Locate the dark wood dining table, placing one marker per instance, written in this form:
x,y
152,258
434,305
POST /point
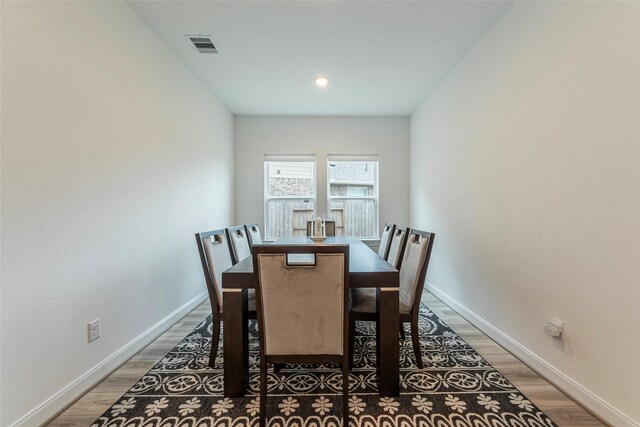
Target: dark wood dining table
x,y
366,270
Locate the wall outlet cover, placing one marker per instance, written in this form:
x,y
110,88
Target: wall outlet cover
x,y
94,330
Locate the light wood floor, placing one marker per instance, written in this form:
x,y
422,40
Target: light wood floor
x,y
561,409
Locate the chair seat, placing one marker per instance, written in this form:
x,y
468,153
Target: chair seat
x,y
363,300
251,301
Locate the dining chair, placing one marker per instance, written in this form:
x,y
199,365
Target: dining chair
x,y
413,271
238,243
303,314
385,240
329,228
397,246
253,232
215,258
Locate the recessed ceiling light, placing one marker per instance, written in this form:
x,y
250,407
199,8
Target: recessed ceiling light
x,y
322,81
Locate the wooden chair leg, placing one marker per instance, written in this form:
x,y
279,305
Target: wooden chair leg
x,y
402,331
345,396
378,345
416,342
263,395
352,341
215,338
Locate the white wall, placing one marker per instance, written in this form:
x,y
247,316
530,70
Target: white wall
x,y
386,136
525,162
113,155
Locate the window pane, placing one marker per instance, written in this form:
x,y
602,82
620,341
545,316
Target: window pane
x,y
290,197
350,181
288,217
345,176
354,217
291,179
357,191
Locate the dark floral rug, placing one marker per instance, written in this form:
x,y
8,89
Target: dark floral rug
x,y
457,388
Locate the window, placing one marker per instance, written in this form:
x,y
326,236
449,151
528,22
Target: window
x,y
290,195
357,191
353,195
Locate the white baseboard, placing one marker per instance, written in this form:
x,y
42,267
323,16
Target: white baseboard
x,y
585,397
63,398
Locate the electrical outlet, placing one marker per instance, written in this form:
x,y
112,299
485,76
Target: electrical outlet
x,y
94,330
554,327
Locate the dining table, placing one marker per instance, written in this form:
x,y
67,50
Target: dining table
x,y
366,270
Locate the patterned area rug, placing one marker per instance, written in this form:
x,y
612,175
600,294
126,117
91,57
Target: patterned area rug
x,y
457,388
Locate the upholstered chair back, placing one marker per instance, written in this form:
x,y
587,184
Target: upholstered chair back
x,y
302,306
385,239
330,228
254,234
414,266
216,259
396,248
239,243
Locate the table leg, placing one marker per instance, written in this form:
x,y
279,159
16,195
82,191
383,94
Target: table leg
x,y
389,343
236,342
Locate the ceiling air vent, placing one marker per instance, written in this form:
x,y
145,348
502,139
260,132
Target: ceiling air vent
x,y
203,44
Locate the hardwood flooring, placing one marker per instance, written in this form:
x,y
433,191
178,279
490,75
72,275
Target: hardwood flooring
x,y
561,409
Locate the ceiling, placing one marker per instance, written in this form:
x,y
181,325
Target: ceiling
x,y
382,58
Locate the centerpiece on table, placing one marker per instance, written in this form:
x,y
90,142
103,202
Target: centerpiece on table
x,y
318,232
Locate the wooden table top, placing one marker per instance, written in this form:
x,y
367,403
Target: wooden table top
x,y
366,268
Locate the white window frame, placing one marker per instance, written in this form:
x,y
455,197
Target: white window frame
x,y
376,187
310,158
